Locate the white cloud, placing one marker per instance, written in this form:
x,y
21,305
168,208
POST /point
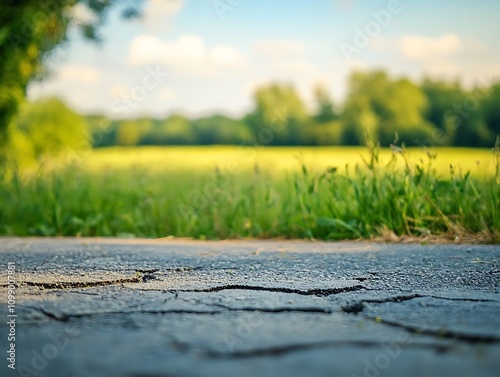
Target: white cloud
x,y
419,47
145,49
290,61
158,14
226,56
188,55
278,47
447,56
380,44
285,60
294,68
167,94
119,90
443,68
85,74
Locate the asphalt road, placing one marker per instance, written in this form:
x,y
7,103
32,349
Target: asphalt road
x,y
144,308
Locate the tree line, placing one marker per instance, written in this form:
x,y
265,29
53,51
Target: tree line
x,y
432,113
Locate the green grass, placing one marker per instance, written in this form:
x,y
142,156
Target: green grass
x,y
231,192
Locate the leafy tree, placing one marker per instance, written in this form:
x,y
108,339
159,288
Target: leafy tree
x,y
280,116
330,133
219,129
49,129
144,127
362,110
492,110
460,115
469,126
102,130
404,108
442,97
325,111
29,32
381,108
175,130
127,134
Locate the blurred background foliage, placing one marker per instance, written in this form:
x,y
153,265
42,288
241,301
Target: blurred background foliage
x,y
432,113
30,30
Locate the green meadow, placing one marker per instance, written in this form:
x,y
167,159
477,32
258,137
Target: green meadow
x,y
233,192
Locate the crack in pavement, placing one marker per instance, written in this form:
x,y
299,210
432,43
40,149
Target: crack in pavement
x,y
353,308
309,292
80,284
441,333
276,310
358,307
460,299
282,309
65,317
287,349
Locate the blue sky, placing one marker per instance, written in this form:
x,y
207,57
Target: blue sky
x,y
212,61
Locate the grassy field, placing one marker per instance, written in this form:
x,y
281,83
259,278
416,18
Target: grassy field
x,y
480,162
232,192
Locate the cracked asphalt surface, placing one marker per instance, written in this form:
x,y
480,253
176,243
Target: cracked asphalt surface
x,y
150,308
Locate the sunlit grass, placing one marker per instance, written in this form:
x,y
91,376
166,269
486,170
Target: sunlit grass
x,y
231,192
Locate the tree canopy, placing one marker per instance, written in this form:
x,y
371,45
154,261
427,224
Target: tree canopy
x,y
29,32
48,129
